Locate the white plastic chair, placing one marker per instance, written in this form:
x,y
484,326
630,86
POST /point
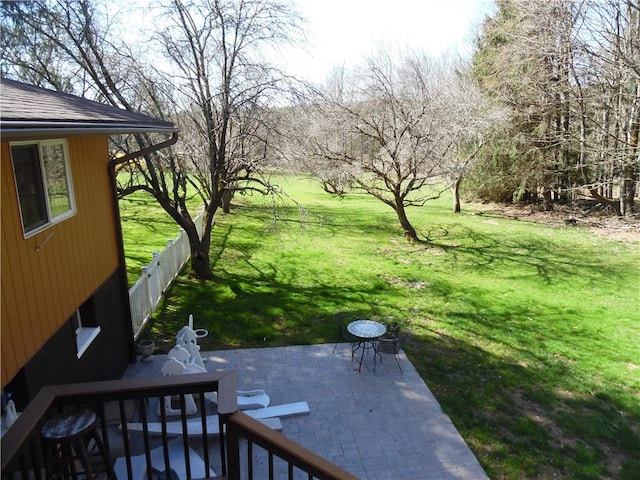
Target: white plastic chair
x,y
172,367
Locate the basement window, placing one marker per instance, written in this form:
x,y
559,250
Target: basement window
x,y
85,327
43,181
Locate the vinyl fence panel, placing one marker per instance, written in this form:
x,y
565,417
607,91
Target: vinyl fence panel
x,y
146,293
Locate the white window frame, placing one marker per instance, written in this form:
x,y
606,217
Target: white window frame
x,y
84,335
51,220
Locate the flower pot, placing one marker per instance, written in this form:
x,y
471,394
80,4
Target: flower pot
x,y
146,349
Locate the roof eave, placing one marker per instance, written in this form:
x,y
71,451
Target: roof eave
x,y
24,129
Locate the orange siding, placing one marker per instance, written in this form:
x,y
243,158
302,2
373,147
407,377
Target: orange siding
x,y
41,289
9,362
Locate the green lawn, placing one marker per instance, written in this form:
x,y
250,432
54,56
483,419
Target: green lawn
x,y
146,228
528,335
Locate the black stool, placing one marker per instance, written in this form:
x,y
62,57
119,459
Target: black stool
x,y
67,438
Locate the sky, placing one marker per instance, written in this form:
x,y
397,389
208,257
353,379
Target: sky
x,y
347,31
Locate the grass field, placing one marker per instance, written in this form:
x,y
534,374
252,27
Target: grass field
x,y
146,228
528,335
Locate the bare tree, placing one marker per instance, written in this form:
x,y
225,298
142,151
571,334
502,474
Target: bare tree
x,y
225,92
217,88
606,74
382,129
470,119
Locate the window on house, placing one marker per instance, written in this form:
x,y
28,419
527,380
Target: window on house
x,y
85,326
43,181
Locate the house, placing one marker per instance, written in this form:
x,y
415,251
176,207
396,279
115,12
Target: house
x,y
66,321
65,314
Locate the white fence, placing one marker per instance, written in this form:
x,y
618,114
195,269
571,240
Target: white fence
x,y
156,277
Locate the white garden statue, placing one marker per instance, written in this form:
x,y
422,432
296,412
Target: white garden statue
x,y
182,359
185,358
188,340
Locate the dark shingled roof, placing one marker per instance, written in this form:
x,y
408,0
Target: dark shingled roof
x,y
27,109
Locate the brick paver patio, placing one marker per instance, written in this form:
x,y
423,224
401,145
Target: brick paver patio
x,y
376,425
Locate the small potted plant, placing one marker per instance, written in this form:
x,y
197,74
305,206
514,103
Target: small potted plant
x,y
389,342
146,349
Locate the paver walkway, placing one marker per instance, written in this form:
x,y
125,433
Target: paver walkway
x,y
376,425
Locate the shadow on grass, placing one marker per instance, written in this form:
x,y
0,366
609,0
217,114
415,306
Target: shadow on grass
x,y
332,220
518,422
547,389
524,408
160,225
511,375
259,310
469,248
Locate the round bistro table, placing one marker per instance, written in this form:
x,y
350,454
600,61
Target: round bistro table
x,y
366,334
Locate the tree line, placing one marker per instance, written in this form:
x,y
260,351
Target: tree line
x,y
547,109
568,73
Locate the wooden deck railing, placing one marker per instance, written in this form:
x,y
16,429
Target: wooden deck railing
x,y
23,454
279,456
243,440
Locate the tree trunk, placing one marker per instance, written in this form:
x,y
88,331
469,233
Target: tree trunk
x,y
628,184
614,204
200,264
547,200
456,195
627,191
225,200
409,232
